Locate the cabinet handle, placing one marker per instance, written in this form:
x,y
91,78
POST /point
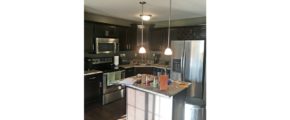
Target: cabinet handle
x,y
100,84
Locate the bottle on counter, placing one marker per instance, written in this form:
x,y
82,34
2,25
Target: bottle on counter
x,y
154,84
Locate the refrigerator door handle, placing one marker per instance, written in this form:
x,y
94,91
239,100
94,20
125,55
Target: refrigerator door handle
x,y
184,61
181,67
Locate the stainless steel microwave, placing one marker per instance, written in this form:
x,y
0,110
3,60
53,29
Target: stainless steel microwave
x,y
106,45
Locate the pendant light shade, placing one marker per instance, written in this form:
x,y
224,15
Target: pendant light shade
x,y
142,49
168,51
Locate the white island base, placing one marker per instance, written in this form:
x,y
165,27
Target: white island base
x,y
144,104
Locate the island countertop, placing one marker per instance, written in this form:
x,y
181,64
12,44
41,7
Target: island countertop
x,y
173,89
151,65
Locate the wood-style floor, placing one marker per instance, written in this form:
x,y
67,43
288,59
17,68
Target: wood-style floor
x,y
112,111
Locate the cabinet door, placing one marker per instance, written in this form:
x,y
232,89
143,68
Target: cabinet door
x,y
123,39
111,31
189,33
105,31
203,32
165,110
132,38
159,39
99,30
130,104
89,37
93,88
129,72
143,70
156,40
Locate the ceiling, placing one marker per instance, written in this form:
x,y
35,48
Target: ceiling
x,y
159,9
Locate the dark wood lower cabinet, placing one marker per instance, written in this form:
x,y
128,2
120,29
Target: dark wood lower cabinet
x,y
129,72
143,70
93,88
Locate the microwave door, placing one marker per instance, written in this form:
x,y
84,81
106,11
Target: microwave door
x,y
106,45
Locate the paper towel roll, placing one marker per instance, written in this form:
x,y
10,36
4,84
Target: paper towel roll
x,y
116,60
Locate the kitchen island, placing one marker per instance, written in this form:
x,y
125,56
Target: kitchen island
x,y
145,102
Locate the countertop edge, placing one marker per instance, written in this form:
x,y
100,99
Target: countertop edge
x,y
130,66
92,73
149,91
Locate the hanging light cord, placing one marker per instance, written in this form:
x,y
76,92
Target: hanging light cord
x,y
142,28
169,23
143,2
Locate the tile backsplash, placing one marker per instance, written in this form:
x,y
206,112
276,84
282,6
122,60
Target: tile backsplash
x,y
151,57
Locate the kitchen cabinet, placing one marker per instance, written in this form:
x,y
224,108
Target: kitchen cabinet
x,y
156,70
160,35
105,30
202,33
93,88
129,72
127,38
161,70
131,43
158,39
123,39
143,70
189,33
127,35
89,37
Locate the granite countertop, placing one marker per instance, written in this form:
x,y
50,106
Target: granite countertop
x,y
151,65
173,89
91,72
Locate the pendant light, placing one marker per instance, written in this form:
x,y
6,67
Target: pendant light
x,y
142,49
168,50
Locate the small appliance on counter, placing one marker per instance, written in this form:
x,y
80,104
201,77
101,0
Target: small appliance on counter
x,y
116,62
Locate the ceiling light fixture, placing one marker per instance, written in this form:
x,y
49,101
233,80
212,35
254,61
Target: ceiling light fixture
x,y
145,17
142,50
168,50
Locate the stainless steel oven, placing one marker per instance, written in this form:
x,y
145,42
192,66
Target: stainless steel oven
x,y
106,45
111,89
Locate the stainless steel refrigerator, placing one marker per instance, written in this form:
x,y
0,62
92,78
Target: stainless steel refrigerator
x,y
188,64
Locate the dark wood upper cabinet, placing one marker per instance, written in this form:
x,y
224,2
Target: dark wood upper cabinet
x,y
128,36
123,39
158,39
188,33
89,37
132,37
105,31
